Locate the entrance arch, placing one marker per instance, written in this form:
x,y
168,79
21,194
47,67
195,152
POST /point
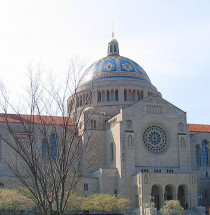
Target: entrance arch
x,y
169,192
157,193
182,195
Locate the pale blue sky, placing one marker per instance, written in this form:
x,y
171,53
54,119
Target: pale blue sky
x,y
169,39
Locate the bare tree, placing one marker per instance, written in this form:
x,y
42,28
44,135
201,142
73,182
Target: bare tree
x,y
47,150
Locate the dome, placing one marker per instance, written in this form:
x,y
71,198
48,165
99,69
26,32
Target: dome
x,y
115,67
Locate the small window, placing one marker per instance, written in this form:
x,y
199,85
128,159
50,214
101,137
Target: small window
x,y
111,48
85,186
115,49
107,96
142,94
116,95
138,95
94,124
198,155
205,153
130,140
99,96
125,95
53,146
91,124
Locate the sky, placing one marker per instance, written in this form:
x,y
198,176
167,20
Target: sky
x,y
169,39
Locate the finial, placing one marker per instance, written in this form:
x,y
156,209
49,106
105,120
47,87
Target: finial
x,y
112,29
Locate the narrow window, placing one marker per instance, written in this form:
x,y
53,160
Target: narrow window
x,y
129,95
125,95
91,124
85,186
197,152
142,94
107,96
53,146
94,124
111,48
115,50
99,96
130,140
116,95
138,95
134,95
205,153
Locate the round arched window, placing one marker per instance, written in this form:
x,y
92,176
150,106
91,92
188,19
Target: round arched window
x,y
155,138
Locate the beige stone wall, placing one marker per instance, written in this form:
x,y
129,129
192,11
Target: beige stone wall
x,y
145,182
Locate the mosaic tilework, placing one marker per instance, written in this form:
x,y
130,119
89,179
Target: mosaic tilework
x,y
117,67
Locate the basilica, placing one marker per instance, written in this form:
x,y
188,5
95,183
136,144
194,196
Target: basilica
x,y
148,150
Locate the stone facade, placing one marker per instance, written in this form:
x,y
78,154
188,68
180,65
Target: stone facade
x,y
148,152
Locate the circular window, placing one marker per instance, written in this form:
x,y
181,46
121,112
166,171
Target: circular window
x,y
155,138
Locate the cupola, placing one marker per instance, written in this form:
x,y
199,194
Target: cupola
x,y
113,48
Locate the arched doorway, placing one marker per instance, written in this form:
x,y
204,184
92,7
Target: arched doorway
x,y
182,195
156,194
1,185
169,192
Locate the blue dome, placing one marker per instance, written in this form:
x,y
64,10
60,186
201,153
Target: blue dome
x,y
115,67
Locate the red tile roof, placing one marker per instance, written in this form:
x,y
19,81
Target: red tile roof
x,y
36,119
199,128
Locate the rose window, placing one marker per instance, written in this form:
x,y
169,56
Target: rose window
x,y
155,138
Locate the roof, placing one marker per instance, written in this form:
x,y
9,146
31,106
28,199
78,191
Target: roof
x,y
199,128
115,67
36,119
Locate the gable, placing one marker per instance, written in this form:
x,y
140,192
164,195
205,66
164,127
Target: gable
x,y
156,106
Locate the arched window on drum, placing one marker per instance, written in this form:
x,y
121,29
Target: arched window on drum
x,y
116,95
107,96
125,95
